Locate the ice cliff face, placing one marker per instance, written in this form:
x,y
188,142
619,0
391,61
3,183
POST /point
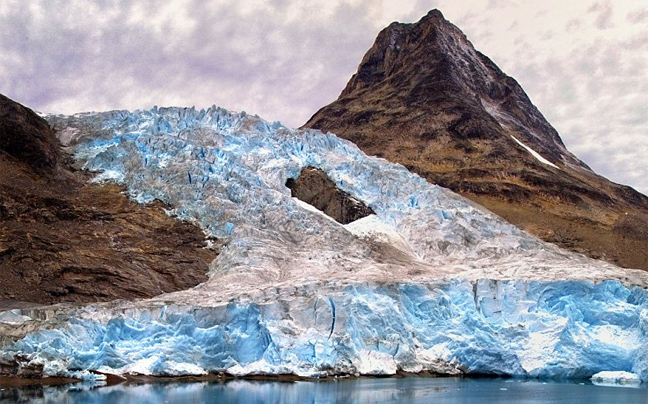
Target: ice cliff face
x,y
430,282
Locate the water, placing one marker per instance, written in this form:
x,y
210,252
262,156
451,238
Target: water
x,y
360,391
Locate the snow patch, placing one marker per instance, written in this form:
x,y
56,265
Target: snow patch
x,y
313,209
535,154
372,228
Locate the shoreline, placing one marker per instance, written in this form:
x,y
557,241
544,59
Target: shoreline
x,y
221,377
16,382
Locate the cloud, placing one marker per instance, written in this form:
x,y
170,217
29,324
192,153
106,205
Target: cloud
x,y
638,16
603,11
586,71
282,60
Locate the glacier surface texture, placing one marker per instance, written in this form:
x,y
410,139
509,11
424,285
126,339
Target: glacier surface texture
x,y
431,282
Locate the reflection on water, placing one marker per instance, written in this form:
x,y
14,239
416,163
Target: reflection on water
x,y
359,391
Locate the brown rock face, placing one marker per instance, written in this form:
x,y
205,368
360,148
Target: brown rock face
x,y
314,187
425,98
27,137
63,240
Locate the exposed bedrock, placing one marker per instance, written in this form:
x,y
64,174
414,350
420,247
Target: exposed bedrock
x,y
314,187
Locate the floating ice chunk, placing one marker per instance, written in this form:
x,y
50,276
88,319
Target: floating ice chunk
x,y
616,378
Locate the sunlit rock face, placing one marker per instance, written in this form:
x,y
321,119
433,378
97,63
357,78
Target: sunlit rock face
x,y
429,282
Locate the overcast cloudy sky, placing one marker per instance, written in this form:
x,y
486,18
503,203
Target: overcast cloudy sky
x,y
584,63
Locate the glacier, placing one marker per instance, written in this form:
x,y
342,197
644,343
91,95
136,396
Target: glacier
x,y
431,282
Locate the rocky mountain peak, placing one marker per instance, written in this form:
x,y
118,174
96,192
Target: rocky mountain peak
x,y
424,97
433,58
381,59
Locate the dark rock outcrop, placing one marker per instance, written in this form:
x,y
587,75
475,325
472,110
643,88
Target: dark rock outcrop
x,y
64,240
425,98
314,187
26,137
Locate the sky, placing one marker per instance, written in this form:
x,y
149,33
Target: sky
x,y
584,63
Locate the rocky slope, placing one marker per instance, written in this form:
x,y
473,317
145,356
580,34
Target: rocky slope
x,y
425,98
64,240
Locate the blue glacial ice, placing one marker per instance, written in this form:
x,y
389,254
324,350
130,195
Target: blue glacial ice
x,y
430,283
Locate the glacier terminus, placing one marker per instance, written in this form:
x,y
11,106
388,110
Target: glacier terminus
x,y
430,282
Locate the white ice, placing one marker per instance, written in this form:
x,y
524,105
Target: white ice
x,y
430,282
619,378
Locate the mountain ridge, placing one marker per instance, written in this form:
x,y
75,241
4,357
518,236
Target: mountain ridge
x,y
425,98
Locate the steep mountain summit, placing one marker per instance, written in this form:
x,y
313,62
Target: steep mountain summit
x,y
425,98
434,62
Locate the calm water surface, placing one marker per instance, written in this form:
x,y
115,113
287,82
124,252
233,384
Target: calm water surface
x,y
365,391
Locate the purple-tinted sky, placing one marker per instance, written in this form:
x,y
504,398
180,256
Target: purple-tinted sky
x,y
583,63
